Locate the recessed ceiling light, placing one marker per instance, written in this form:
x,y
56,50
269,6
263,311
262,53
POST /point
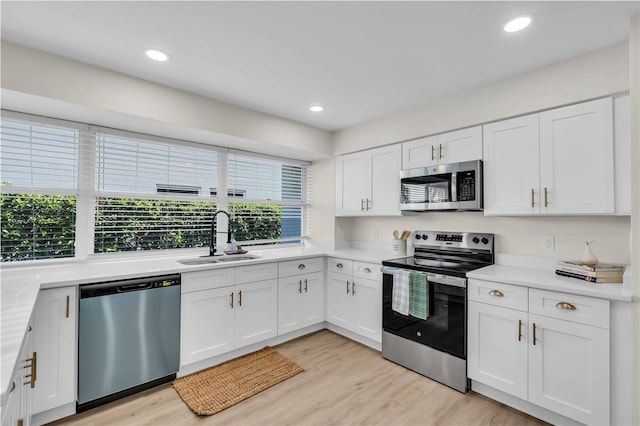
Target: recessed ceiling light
x,y
316,108
156,55
517,24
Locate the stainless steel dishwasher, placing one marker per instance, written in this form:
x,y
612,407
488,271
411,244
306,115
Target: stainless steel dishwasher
x,y
128,337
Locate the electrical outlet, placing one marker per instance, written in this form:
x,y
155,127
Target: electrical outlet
x,y
341,232
548,243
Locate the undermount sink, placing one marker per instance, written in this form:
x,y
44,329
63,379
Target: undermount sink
x,y
217,259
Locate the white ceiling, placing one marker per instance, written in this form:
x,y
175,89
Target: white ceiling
x,y
362,60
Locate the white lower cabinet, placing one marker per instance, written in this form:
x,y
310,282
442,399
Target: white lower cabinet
x,y
553,353
220,312
54,341
354,300
301,294
18,406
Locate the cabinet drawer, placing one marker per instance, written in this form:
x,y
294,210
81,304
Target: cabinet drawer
x,y
300,266
570,307
498,294
259,272
370,271
341,266
207,280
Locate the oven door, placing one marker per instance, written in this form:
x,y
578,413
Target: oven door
x,y
445,327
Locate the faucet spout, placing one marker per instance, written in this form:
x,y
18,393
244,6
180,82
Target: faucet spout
x,y
212,244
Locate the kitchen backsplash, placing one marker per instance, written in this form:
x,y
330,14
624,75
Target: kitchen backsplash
x,y
514,235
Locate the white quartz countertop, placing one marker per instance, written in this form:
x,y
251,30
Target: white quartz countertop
x,y
19,286
546,279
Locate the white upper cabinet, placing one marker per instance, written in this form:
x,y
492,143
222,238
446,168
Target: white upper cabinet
x,y
451,147
622,154
576,158
368,182
511,166
555,162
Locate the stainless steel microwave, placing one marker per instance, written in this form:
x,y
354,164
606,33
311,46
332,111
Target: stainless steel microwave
x,y
456,186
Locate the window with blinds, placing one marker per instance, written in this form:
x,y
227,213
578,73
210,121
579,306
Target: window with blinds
x,y
266,199
71,189
152,194
39,174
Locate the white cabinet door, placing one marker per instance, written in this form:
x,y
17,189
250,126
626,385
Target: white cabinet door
x,y
569,369
353,184
511,166
368,182
54,340
367,308
497,348
289,304
207,324
385,181
313,299
256,312
460,145
622,154
18,405
576,159
420,153
339,299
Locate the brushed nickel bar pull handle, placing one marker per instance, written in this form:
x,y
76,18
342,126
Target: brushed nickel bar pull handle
x,y
546,197
433,153
240,298
306,289
353,288
339,265
565,305
534,334
300,286
533,198
67,313
496,293
13,387
519,330
348,287
441,149
367,270
361,204
368,206
231,300
301,266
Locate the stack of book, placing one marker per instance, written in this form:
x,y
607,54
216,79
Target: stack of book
x,y
598,273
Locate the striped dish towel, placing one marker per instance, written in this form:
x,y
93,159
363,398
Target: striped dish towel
x,y
418,295
400,294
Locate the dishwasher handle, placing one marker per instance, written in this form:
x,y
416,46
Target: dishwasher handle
x,y
130,285
134,287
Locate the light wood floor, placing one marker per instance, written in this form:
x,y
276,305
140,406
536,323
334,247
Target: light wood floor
x,y
344,383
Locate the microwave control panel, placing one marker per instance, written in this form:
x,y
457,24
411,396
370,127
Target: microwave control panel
x,y
466,185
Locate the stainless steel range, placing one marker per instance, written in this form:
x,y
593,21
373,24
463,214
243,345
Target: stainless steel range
x,y
424,304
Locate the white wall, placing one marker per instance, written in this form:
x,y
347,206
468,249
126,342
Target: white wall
x,y
589,76
40,83
634,89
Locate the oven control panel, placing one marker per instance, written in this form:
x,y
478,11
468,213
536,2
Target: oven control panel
x,y
453,239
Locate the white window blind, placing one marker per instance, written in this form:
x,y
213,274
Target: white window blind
x,y
152,194
38,157
267,199
39,174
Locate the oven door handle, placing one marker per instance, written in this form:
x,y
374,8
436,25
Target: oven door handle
x,y
432,278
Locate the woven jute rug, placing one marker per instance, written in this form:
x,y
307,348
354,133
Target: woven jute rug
x,y
214,389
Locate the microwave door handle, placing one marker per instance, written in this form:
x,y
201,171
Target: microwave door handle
x,y
454,187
